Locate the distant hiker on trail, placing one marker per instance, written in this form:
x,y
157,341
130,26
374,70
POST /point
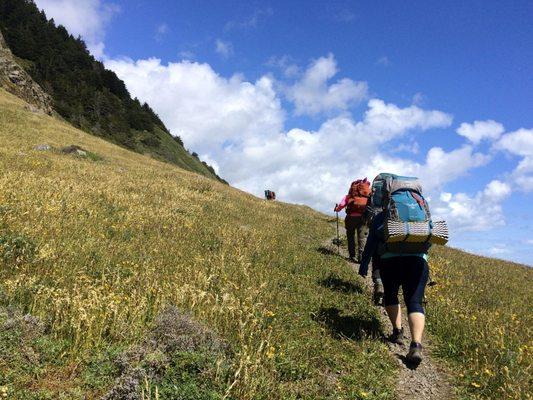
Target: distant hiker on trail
x,y
355,202
270,195
399,239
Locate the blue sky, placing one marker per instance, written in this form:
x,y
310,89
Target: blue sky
x,y
301,97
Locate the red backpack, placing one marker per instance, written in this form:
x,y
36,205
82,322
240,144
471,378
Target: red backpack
x,y
360,197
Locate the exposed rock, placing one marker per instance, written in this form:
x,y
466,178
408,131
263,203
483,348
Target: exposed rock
x,y
43,147
16,80
73,149
32,108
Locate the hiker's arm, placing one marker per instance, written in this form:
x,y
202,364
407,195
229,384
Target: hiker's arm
x,y
368,252
341,205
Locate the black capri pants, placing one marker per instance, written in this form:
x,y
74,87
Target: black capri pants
x,y
409,272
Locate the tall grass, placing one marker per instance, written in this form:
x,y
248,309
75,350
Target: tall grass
x,y
97,248
480,312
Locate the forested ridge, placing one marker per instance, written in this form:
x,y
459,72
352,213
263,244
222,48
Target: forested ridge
x,y
84,92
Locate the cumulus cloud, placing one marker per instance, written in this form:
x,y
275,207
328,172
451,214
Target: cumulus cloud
x,y
240,126
523,174
520,143
442,167
312,94
85,18
208,111
480,212
225,49
481,130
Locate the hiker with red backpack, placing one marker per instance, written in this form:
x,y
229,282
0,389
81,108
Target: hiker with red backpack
x,y
355,203
399,239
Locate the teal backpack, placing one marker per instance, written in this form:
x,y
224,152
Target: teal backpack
x,y
407,225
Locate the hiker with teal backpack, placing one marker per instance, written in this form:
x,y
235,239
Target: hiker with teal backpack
x,y
355,203
400,237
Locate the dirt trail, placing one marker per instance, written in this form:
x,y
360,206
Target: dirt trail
x,y
427,381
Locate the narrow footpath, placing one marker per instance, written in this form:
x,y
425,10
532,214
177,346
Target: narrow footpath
x,y
427,381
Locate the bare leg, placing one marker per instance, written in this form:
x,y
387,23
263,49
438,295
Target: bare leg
x,y
417,321
395,315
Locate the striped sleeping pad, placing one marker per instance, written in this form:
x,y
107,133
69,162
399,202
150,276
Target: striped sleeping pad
x,y
416,232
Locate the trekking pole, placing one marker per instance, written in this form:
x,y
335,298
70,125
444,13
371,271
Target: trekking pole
x,y
338,240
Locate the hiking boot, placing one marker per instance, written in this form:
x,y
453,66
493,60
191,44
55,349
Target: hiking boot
x,y
352,260
396,336
415,353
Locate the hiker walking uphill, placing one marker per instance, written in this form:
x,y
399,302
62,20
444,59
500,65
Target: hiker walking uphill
x,y
399,239
355,203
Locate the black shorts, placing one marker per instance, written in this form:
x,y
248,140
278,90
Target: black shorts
x,y
409,272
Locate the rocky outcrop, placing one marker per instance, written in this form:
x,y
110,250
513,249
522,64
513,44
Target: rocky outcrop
x,y
15,80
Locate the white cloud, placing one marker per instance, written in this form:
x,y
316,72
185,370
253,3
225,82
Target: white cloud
x,y
480,212
385,121
499,250
442,167
412,147
520,143
205,109
481,130
523,174
85,18
225,49
240,126
312,94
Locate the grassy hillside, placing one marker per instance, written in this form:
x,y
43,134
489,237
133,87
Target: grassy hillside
x,y
83,91
481,314
97,249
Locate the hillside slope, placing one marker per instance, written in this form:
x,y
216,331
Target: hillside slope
x,y
480,313
95,250
81,89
